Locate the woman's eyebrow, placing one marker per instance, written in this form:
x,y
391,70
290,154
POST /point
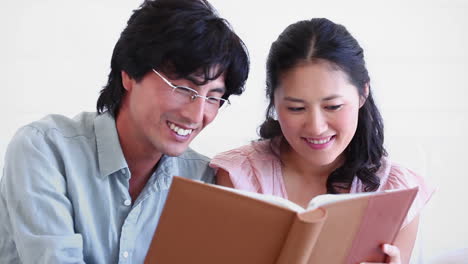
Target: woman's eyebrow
x,y
293,99
331,97
298,100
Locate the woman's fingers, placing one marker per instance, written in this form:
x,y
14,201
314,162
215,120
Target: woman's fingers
x,y
393,253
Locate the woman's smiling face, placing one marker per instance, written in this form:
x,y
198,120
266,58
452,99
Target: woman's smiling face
x,y
317,109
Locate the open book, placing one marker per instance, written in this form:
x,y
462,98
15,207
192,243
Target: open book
x,y
204,223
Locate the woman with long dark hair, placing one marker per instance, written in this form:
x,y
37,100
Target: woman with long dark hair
x,y
323,132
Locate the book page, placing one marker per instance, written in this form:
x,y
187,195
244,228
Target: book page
x,y
325,199
276,200
317,201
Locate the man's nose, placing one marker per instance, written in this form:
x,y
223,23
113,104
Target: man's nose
x,y
194,110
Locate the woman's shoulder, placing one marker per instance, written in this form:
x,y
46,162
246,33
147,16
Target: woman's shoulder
x,y
396,176
251,167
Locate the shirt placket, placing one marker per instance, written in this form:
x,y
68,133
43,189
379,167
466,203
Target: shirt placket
x,y
127,234
160,180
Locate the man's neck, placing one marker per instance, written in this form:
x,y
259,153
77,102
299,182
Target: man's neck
x,y
141,172
141,159
141,167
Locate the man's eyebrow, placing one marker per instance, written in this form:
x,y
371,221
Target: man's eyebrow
x,y
194,86
193,79
218,90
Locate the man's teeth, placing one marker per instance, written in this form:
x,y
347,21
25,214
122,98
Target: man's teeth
x,y
322,141
180,131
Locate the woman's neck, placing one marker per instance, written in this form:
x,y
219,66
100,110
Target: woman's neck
x,y
302,179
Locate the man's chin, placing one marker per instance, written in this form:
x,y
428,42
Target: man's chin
x,y
175,152
174,148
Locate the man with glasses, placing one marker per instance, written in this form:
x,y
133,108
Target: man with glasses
x,y
91,189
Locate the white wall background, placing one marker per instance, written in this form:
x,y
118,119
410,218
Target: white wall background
x,y
55,58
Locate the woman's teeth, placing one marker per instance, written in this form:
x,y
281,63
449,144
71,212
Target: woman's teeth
x,y
317,142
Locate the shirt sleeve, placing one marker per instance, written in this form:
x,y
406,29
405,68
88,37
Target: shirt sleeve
x,y
403,178
36,216
241,172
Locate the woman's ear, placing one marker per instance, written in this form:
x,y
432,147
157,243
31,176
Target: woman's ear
x,y
363,98
127,81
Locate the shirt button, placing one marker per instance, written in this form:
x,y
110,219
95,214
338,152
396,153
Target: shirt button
x,y
127,202
125,254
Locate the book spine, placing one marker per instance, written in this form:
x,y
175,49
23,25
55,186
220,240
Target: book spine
x,y
302,236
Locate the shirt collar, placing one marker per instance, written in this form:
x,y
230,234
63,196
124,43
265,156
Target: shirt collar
x,y
110,155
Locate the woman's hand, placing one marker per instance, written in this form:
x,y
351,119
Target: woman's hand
x,y
392,252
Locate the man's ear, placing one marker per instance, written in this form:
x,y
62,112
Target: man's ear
x,y
363,98
127,81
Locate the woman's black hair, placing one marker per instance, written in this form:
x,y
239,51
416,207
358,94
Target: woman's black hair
x,y
178,38
321,39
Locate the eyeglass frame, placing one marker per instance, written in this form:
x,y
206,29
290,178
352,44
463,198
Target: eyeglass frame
x,y
195,93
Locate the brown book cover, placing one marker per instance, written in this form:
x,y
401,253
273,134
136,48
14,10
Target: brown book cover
x,y
203,223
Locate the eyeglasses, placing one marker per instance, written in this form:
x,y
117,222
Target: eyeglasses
x,y
184,95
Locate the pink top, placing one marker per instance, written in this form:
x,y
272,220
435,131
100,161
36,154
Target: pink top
x,y
256,168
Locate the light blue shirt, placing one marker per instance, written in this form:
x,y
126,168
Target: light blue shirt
x,y
64,195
